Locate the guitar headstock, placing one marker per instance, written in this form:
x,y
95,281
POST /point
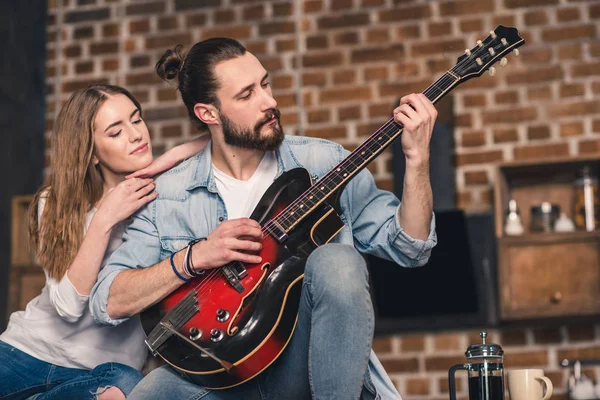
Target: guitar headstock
x,y
487,52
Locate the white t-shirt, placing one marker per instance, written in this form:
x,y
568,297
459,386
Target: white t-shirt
x,y
57,326
241,197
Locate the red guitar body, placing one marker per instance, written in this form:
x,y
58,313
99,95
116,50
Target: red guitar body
x,y
262,318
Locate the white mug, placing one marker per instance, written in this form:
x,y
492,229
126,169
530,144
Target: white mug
x,y
527,384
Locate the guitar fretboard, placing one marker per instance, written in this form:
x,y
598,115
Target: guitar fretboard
x,y
353,164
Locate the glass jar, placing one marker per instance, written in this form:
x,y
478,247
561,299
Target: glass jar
x,y
587,204
544,216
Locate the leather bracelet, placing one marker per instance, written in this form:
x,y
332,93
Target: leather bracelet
x,y
188,265
186,280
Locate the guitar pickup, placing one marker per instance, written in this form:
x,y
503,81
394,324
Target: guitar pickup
x,y
233,273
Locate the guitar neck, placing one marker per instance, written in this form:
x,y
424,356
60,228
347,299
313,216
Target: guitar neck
x,y
355,162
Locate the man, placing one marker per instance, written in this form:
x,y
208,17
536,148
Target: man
x,y
227,90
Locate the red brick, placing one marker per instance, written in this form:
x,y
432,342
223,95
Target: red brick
x,y
157,7
344,76
169,94
313,78
281,9
402,89
438,66
537,55
284,45
220,17
474,100
538,132
377,110
473,139
382,345
346,20
458,7
579,353
585,69
587,31
374,54
253,12
541,151
570,52
104,48
513,337
170,131
506,135
581,333
166,41
567,14
437,47
569,129
547,335
378,35
319,116
84,67
317,42
464,200
589,147
411,13
507,97
141,78
195,20
110,64
572,89
439,28
513,115
313,6
417,386
167,23
471,25
482,157
408,32
336,5
72,51
348,113
141,26
282,81
356,93
343,38
574,109
329,132
80,32
287,100
239,32
442,363
596,125
528,3
536,75
329,59
257,47
539,93
526,359
376,73
397,365
537,17
476,178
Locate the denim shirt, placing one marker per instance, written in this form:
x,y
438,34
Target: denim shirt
x,y
188,206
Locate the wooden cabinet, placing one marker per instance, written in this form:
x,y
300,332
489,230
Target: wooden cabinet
x,y
545,274
26,276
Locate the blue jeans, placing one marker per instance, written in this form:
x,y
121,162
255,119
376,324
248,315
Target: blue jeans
x,y
328,354
25,377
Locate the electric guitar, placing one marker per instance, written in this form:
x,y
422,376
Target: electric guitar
x,y
228,325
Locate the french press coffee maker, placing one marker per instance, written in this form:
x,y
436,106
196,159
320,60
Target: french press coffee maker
x,y
486,372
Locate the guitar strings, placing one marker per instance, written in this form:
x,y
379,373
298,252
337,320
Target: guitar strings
x,y
442,84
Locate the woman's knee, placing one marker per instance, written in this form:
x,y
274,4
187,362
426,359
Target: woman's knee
x,y
110,393
121,377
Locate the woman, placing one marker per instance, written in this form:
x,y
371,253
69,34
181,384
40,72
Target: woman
x,y
54,349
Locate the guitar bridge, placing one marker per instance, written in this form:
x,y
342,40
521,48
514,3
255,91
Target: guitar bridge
x,y
233,272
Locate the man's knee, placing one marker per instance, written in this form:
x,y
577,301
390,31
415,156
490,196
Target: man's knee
x,y
337,269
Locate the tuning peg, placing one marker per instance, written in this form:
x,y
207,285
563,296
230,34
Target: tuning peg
x,y
478,61
503,61
503,41
479,43
493,34
468,52
492,71
492,51
516,52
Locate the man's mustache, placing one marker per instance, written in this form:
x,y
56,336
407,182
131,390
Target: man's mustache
x,y
274,112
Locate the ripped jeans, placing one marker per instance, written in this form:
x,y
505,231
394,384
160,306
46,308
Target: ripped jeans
x,y
25,377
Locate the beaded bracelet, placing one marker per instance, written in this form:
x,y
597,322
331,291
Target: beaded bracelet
x,y
186,280
188,266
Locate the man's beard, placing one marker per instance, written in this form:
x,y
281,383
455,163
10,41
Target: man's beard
x,y
247,138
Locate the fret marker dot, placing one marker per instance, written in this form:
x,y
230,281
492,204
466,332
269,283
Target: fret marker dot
x,y
322,187
345,174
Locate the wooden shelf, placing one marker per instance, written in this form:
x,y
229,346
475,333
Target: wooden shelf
x,y
548,238
545,275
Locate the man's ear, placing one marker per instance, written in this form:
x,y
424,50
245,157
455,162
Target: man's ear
x,y
206,113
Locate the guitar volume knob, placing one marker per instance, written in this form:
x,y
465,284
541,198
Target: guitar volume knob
x,y
216,335
195,333
222,315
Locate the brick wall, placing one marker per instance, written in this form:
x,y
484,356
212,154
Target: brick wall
x,y
338,67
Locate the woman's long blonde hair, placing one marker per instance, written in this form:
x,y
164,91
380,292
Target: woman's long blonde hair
x,y
75,184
